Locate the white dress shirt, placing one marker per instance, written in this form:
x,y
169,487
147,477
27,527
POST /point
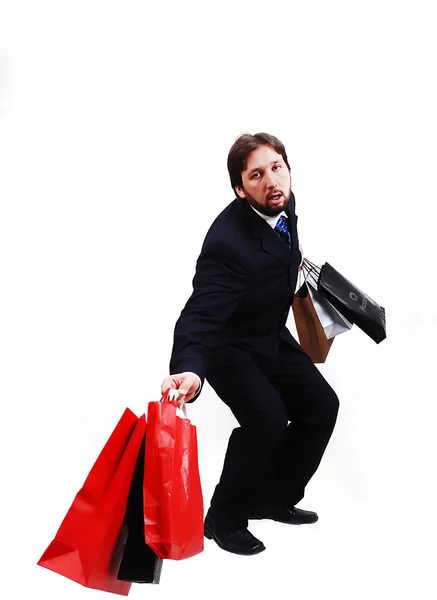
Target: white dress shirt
x,y
270,220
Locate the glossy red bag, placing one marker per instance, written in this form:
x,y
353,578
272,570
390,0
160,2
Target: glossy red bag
x,y
88,545
173,502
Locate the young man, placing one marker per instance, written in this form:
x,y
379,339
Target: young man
x,y
232,332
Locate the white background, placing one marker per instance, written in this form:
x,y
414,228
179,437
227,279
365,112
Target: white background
x,y
115,123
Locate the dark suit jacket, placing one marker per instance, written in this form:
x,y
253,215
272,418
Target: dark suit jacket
x,y
243,289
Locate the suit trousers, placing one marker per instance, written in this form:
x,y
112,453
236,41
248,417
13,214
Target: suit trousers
x,y
286,412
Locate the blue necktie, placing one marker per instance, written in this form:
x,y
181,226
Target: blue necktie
x,y
282,230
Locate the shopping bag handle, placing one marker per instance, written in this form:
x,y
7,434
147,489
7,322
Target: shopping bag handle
x,y
170,395
311,272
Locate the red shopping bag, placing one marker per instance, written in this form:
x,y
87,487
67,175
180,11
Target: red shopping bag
x,y
173,502
88,545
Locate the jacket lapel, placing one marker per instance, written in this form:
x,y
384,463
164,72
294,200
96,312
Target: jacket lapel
x,y
258,228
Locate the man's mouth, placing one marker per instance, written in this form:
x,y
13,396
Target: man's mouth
x,y
275,198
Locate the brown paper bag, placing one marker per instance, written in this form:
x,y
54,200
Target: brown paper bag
x,y
312,337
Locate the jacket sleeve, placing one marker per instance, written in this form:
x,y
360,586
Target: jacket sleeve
x,y
218,285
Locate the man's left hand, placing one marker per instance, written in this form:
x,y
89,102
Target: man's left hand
x,y
301,262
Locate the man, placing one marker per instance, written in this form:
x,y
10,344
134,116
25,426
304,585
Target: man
x,y
232,332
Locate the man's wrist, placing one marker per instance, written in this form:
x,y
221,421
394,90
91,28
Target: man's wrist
x,y
197,377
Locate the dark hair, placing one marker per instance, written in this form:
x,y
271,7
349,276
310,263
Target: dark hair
x,y
243,146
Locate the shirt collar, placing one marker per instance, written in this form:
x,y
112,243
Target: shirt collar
x,y
270,220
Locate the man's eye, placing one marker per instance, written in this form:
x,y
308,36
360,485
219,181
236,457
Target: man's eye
x,y
255,175
277,167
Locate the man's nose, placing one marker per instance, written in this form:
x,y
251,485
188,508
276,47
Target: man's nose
x,y
270,181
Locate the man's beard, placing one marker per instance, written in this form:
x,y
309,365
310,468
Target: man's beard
x,y
268,211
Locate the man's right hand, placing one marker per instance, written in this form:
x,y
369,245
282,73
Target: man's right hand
x,y
186,384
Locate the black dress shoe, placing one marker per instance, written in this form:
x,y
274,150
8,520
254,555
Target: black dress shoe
x,y
239,541
292,516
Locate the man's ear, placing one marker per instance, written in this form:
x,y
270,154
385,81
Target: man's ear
x,y
240,191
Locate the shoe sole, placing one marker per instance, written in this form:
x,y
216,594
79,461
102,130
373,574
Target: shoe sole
x,y
286,522
210,536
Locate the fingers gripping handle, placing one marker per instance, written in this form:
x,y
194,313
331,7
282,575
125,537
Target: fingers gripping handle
x,y
172,394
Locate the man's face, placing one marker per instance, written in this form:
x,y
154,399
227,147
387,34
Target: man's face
x,y
266,181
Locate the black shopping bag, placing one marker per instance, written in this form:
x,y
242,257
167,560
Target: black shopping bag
x,y
139,563
350,301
